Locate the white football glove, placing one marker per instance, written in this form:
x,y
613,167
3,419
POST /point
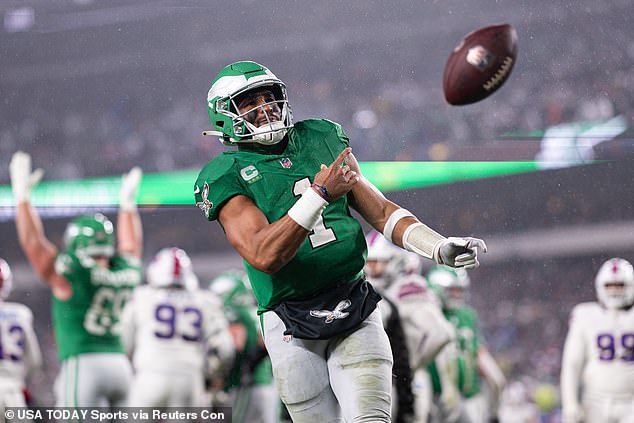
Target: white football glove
x,y
459,252
22,179
129,189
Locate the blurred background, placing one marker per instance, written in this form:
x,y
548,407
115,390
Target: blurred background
x,y
91,88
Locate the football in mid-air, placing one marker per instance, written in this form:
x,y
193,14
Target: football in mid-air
x,y
480,64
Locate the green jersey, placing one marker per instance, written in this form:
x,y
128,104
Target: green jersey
x,y
465,320
240,309
263,373
89,320
335,250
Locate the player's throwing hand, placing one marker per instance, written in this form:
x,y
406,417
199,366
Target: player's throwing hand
x,y
337,178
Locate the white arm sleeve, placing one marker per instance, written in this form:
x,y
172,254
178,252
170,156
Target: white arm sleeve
x,y
418,237
572,366
422,240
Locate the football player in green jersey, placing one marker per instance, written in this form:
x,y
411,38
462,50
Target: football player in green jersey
x,y
480,380
249,384
283,199
90,283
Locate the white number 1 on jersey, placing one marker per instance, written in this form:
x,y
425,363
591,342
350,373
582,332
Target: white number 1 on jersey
x,y
320,235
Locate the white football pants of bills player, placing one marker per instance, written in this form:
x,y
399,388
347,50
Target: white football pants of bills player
x,y
347,378
169,388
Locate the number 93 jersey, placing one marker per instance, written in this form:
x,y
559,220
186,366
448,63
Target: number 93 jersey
x,y
603,340
168,328
334,251
89,320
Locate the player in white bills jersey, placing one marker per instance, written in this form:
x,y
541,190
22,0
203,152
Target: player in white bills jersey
x,y
19,350
169,327
597,376
413,319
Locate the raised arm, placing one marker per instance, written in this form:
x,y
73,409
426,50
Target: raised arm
x,y
129,227
268,246
404,229
40,252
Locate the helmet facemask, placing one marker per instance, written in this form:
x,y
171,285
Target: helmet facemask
x,y
235,83
91,236
273,129
615,284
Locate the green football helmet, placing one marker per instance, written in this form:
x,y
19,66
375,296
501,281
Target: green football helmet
x,y
233,287
233,83
90,235
452,285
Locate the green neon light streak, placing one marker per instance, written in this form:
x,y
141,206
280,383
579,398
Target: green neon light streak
x,y
176,188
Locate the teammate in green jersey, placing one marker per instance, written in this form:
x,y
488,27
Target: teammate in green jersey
x,y
249,384
90,283
479,379
283,199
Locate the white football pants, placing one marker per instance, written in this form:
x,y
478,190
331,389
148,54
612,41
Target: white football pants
x,y
93,380
166,388
608,410
347,378
11,395
477,408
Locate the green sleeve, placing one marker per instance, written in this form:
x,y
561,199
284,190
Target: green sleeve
x,y
217,183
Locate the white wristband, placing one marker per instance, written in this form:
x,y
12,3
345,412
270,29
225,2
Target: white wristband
x,y
307,210
422,240
397,215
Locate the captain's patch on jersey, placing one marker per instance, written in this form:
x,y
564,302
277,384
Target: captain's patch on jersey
x,y
250,174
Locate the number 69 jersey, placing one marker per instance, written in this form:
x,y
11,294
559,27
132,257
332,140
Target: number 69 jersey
x,y
89,321
171,328
274,182
599,354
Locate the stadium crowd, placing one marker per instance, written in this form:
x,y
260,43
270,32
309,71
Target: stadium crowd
x,y
88,127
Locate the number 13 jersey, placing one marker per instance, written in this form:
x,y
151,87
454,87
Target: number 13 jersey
x,y
334,251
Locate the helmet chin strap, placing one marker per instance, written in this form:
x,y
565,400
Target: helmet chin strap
x,y
268,134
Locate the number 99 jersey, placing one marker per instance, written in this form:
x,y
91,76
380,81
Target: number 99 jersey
x,y
334,251
599,352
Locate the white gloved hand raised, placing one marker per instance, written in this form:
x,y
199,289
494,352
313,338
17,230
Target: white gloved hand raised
x,y
129,189
459,252
22,179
